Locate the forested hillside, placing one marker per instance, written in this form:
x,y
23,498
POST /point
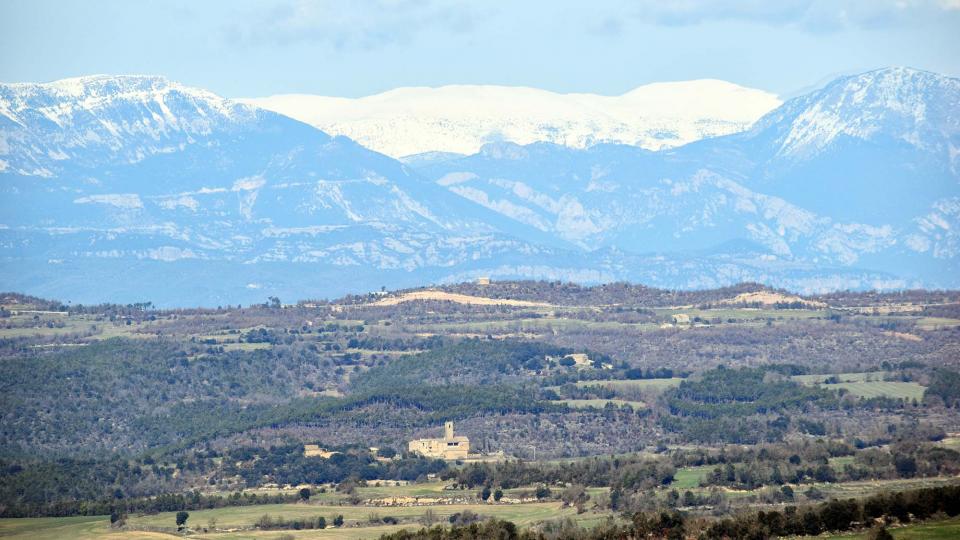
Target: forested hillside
x,y
606,400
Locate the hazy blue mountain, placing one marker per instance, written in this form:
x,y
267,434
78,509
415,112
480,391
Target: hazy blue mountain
x,y
894,128
217,201
139,188
860,174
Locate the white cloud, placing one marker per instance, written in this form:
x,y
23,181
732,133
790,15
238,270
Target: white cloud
x,y
354,25
812,15
249,183
185,201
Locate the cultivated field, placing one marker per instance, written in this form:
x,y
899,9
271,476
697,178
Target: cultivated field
x,y
442,296
947,529
841,377
867,385
690,477
231,522
897,390
937,323
600,403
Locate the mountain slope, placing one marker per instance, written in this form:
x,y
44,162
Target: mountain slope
x,y
139,172
916,108
103,120
882,143
623,197
460,119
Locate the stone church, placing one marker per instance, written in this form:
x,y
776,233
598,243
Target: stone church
x,y
448,447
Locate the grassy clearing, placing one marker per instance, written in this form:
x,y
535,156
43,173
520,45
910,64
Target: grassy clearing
x,y
690,477
431,489
947,529
534,326
952,442
561,324
866,385
379,352
838,463
357,521
75,528
740,314
898,390
866,488
245,346
936,323
246,516
867,376
25,326
600,403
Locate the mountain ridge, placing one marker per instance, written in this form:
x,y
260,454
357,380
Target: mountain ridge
x,y
250,204
461,118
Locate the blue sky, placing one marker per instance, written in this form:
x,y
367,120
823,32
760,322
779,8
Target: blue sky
x,y
360,47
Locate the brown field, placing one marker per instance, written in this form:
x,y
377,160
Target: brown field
x,y
455,297
768,298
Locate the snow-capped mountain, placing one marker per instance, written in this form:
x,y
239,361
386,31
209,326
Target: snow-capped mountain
x,y
859,173
153,190
461,119
141,173
103,120
882,143
918,109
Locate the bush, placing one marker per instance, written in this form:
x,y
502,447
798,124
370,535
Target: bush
x,y
879,533
182,519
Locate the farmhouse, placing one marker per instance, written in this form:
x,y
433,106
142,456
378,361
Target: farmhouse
x,y
448,447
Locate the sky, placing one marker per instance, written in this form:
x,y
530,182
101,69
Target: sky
x,y
242,48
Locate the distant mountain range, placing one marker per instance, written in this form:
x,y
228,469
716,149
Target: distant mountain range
x,y
139,188
461,119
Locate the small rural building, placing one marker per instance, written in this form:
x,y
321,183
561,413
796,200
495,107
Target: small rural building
x,y
448,447
484,280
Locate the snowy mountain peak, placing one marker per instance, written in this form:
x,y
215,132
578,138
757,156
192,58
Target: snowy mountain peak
x,y
45,124
99,87
462,118
914,107
101,83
